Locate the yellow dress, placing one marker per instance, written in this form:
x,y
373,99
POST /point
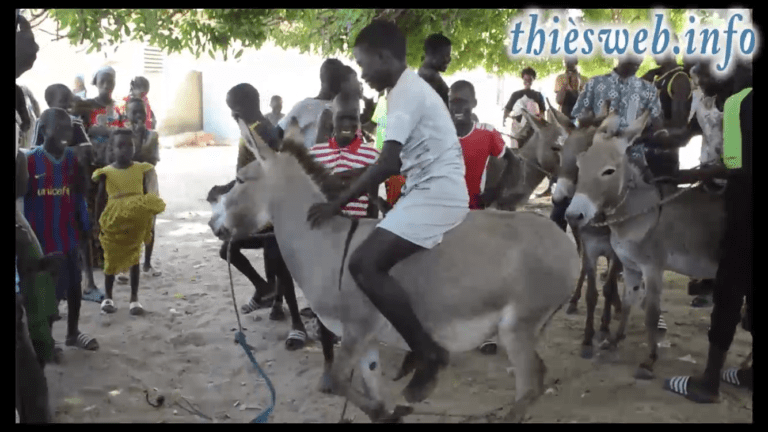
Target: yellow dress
x,y
126,222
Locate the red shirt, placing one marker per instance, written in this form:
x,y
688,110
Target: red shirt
x,y
338,159
482,142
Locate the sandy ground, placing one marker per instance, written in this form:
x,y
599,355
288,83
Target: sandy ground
x,y
190,353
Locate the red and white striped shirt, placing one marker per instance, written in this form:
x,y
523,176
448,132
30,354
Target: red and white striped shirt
x,y
338,159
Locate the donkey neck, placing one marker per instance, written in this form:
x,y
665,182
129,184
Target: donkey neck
x,y
636,197
294,195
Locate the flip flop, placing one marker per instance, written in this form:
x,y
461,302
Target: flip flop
x,y
662,326
123,279
307,313
152,271
135,308
731,377
261,303
488,348
296,340
83,341
108,306
702,301
94,295
679,385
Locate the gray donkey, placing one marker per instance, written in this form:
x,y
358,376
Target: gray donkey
x,y
458,298
649,236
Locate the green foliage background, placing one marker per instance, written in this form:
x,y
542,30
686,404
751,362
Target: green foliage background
x,y
479,36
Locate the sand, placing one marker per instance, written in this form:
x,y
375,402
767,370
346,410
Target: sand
x,y
190,352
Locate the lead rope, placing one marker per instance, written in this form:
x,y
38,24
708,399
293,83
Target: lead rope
x,y
240,338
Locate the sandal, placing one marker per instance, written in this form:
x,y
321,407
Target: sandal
x,y
94,295
488,347
296,340
679,385
731,376
260,303
108,306
662,326
136,309
152,271
83,341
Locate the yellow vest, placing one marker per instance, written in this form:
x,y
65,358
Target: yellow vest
x,y
732,129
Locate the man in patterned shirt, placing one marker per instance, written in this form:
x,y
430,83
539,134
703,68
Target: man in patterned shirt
x,y
629,95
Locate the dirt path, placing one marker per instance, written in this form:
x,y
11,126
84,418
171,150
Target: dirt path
x,y
189,351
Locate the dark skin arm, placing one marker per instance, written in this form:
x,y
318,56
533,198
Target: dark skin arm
x,y
702,174
22,175
387,165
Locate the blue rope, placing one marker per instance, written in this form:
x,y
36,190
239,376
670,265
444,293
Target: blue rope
x,y
264,416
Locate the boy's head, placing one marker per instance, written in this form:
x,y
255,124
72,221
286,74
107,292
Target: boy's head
x,y
276,103
56,125
437,50
58,96
121,145
528,75
79,82
628,65
104,80
380,52
570,63
136,113
346,115
332,74
26,47
461,101
243,100
139,87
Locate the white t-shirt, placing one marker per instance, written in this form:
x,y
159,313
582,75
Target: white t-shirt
x,y
307,112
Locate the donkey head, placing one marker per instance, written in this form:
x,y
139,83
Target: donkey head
x,y
247,203
605,172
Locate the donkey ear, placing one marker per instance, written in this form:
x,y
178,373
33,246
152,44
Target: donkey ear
x,y
255,144
633,132
293,132
535,123
560,119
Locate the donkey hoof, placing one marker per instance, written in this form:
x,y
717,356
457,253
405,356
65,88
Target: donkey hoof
x,y
643,373
396,416
277,314
572,309
603,335
587,351
326,384
608,345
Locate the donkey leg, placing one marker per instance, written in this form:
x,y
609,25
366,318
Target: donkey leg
x,y
519,339
632,280
354,344
653,284
589,328
271,266
572,306
326,340
610,292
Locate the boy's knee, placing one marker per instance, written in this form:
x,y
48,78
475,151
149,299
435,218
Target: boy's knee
x,y
357,264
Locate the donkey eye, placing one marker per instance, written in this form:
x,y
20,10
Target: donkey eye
x,y
608,172
556,148
239,180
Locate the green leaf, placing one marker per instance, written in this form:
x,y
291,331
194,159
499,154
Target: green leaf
x,y
239,53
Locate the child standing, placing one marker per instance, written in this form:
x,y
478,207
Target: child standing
x,y
56,210
147,149
60,96
126,221
139,90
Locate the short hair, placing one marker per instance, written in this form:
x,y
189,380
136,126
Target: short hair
x,y
245,90
117,132
462,85
383,35
528,71
53,90
105,69
140,81
435,42
276,97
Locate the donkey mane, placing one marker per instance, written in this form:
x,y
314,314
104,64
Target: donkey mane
x,y
330,185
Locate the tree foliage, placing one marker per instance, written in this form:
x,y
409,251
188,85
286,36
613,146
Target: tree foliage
x,y
479,37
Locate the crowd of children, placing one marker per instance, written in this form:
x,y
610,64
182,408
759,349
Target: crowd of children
x,y
89,194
